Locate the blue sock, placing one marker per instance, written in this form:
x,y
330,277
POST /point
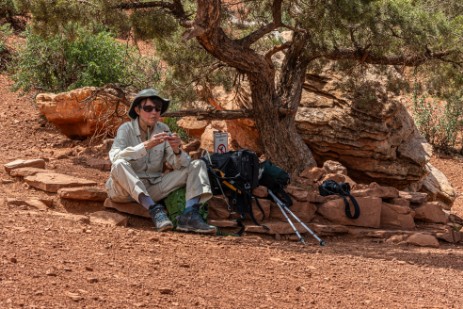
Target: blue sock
x,y
191,202
146,200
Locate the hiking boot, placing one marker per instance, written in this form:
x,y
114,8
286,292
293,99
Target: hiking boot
x,y
191,221
160,218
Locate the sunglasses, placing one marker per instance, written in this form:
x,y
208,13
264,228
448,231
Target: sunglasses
x,y
150,108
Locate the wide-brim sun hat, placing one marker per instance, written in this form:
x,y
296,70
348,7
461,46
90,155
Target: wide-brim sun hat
x,y
144,94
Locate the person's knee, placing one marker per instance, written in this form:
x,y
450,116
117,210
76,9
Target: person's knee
x,y
119,167
119,164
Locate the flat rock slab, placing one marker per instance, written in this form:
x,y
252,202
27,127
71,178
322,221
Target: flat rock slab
x,y
25,171
370,212
83,194
52,182
414,197
223,223
130,208
40,204
274,227
38,163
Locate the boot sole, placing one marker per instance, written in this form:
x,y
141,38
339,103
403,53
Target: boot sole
x,y
165,228
190,229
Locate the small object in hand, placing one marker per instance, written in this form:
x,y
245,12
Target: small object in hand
x,y
168,133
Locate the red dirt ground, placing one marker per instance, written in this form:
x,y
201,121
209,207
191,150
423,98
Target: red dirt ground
x,y
47,261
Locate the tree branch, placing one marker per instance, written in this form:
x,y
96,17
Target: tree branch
x,y
175,7
214,40
87,2
202,114
211,114
276,49
143,5
367,57
259,33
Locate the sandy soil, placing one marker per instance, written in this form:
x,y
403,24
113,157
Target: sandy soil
x,y
49,261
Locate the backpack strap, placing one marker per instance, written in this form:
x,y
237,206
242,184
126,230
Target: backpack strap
x,y
243,203
347,206
259,206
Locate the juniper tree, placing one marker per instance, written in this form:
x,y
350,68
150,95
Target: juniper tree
x,y
211,42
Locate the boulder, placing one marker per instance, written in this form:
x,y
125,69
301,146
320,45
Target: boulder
x,y
376,139
431,212
397,216
84,112
422,240
313,174
376,190
334,167
438,186
305,211
297,193
450,235
192,126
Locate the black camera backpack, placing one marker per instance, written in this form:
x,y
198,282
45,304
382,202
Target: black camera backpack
x,y
276,179
234,174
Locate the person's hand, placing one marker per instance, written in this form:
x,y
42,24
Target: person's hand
x,y
175,142
156,139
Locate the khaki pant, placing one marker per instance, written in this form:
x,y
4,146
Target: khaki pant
x,y
125,186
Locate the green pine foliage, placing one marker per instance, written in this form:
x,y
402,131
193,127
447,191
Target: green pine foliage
x,y
190,67
8,9
67,57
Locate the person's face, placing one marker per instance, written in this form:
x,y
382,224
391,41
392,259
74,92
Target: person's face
x,y
149,111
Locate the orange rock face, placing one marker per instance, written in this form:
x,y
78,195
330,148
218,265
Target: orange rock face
x,y
84,112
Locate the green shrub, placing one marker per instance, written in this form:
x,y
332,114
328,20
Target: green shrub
x,y
64,62
425,118
439,121
5,54
450,124
7,9
5,31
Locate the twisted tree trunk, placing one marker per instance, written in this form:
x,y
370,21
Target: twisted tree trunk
x,y
280,140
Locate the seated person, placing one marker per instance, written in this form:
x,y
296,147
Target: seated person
x,y
140,149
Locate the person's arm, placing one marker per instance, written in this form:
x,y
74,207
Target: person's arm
x,y
122,146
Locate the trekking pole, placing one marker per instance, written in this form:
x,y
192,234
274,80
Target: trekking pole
x,y
283,206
